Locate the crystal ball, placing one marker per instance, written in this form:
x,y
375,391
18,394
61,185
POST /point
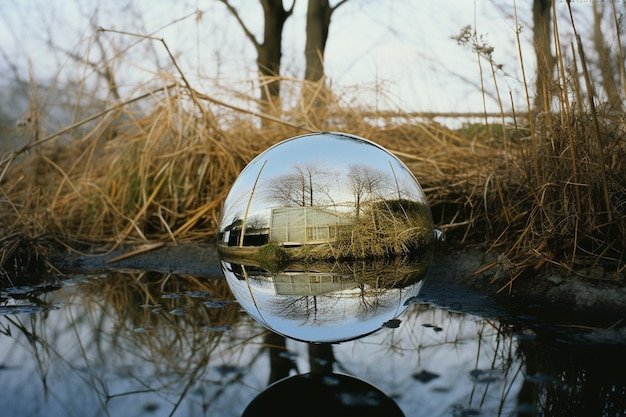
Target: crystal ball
x,y
326,237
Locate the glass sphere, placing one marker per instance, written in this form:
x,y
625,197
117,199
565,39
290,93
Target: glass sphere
x,y
325,237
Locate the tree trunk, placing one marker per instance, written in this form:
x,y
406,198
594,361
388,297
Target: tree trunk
x,y
269,53
315,96
280,365
317,25
543,53
605,61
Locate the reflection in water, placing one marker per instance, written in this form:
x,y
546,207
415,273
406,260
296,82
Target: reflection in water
x,y
147,344
123,344
595,386
327,301
322,394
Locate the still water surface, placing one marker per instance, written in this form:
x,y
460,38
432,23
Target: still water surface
x,y
138,343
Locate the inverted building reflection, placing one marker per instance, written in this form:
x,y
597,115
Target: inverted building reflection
x,y
328,301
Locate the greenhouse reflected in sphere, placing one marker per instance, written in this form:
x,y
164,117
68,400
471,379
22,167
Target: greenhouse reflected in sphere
x,y
325,237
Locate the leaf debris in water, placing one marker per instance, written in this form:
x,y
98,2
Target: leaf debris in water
x,y
172,295
223,328
424,376
217,303
23,309
198,294
432,326
485,376
392,324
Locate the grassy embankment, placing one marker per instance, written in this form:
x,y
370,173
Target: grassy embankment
x,y
542,190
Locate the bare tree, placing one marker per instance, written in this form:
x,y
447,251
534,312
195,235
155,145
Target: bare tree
x,y
269,52
364,182
306,186
606,60
319,13
542,37
103,65
291,190
318,17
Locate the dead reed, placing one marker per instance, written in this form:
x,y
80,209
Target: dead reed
x,y
384,229
163,176
547,189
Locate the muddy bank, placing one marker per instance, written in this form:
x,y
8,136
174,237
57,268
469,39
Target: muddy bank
x,y
570,309
197,259
577,310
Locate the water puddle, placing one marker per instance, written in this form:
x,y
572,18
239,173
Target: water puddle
x,y
154,344
321,307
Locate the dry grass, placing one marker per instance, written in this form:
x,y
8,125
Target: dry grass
x,y
389,229
161,175
545,189
164,175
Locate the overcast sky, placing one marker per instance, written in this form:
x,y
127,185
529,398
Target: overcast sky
x,y
396,54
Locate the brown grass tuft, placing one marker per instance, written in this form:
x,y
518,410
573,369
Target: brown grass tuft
x,y
545,189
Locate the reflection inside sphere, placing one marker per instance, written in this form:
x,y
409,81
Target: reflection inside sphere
x,y
301,220
327,302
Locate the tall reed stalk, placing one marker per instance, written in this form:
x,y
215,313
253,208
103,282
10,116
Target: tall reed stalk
x,y
545,190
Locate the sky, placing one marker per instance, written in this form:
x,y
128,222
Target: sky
x,y
395,55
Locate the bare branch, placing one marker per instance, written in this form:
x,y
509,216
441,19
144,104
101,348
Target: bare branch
x,y
249,34
336,6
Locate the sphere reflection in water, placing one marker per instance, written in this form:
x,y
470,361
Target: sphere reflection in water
x,y
325,237
320,394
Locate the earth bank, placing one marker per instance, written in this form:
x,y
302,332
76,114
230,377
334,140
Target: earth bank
x,y
567,307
